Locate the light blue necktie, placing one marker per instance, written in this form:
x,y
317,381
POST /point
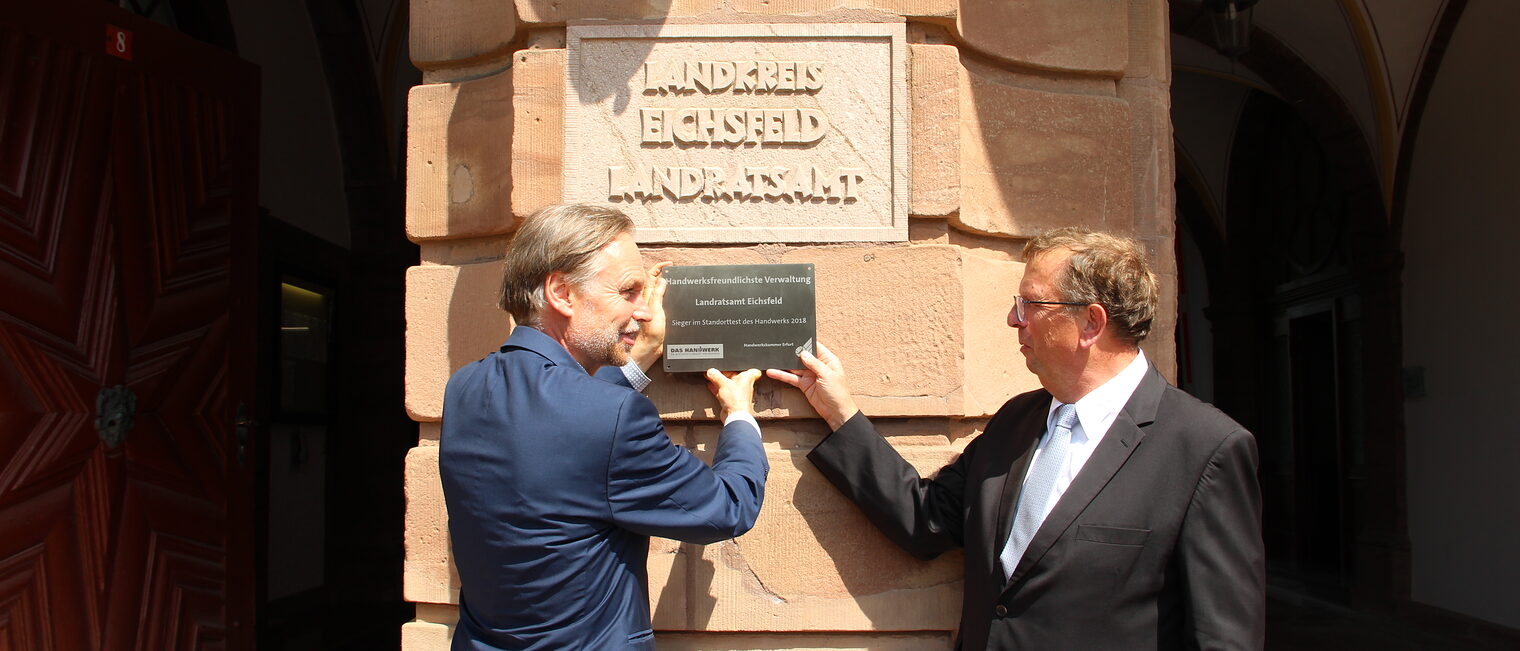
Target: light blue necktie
x,y
1038,486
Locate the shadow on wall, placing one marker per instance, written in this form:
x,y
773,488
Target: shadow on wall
x,y
870,567
868,583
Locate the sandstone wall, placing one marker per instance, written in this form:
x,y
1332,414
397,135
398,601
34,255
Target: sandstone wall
x,y
1024,116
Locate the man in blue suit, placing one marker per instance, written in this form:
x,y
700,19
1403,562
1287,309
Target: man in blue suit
x,y
556,471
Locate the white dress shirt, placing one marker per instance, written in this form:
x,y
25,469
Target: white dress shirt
x,y
1096,412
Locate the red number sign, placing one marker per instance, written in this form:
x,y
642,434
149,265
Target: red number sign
x,y
118,42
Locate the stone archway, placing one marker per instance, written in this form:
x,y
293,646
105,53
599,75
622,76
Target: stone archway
x,y
1338,318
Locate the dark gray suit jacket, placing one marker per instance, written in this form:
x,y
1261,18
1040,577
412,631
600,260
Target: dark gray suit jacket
x,y
1156,545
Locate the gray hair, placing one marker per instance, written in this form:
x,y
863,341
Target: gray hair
x,y
555,239
1107,270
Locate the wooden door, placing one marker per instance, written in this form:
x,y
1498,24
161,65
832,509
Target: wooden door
x,y
125,177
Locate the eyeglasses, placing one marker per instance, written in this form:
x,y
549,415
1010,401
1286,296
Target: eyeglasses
x,y
1021,306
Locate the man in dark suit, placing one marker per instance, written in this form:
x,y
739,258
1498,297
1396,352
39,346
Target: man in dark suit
x,y
556,471
1108,510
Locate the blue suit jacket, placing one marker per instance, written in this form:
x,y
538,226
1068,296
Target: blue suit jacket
x,y
555,480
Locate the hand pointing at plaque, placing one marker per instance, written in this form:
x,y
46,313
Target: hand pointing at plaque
x,y
651,340
823,384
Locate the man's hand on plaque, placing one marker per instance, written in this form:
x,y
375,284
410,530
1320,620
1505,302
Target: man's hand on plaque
x,y
823,384
735,390
651,340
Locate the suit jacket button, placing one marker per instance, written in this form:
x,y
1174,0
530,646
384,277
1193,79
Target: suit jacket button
x,y
1001,610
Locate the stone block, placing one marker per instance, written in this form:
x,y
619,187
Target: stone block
x,y
785,7
1161,345
452,319
896,327
846,10
889,312
445,32
1151,157
538,127
426,636
551,12
428,574
654,253
995,370
1035,160
432,630
910,8
484,150
670,641
813,561
929,231
561,11
1089,36
1153,166
458,172
469,71
467,251
935,100
446,614
1150,41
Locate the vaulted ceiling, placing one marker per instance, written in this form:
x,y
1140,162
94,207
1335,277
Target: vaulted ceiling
x,y
1370,53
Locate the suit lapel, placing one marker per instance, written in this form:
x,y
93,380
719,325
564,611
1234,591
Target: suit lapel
x,y
1123,437
1024,432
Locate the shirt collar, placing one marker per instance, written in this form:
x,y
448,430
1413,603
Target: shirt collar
x,y
530,338
1101,405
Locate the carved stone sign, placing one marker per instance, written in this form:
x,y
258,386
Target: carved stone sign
x,y
741,133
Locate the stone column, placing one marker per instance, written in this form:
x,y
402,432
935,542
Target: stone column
x,y
1023,116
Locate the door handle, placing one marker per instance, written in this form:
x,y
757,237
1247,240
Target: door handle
x,y
241,425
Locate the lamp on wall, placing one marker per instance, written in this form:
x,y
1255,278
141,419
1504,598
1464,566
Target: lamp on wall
x,y
1232,25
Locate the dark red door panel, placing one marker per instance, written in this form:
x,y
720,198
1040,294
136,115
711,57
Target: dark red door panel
x,y
124,510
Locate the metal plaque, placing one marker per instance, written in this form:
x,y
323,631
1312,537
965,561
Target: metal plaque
x,y
736,317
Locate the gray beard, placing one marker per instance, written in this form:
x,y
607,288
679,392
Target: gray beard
x,y
599,347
